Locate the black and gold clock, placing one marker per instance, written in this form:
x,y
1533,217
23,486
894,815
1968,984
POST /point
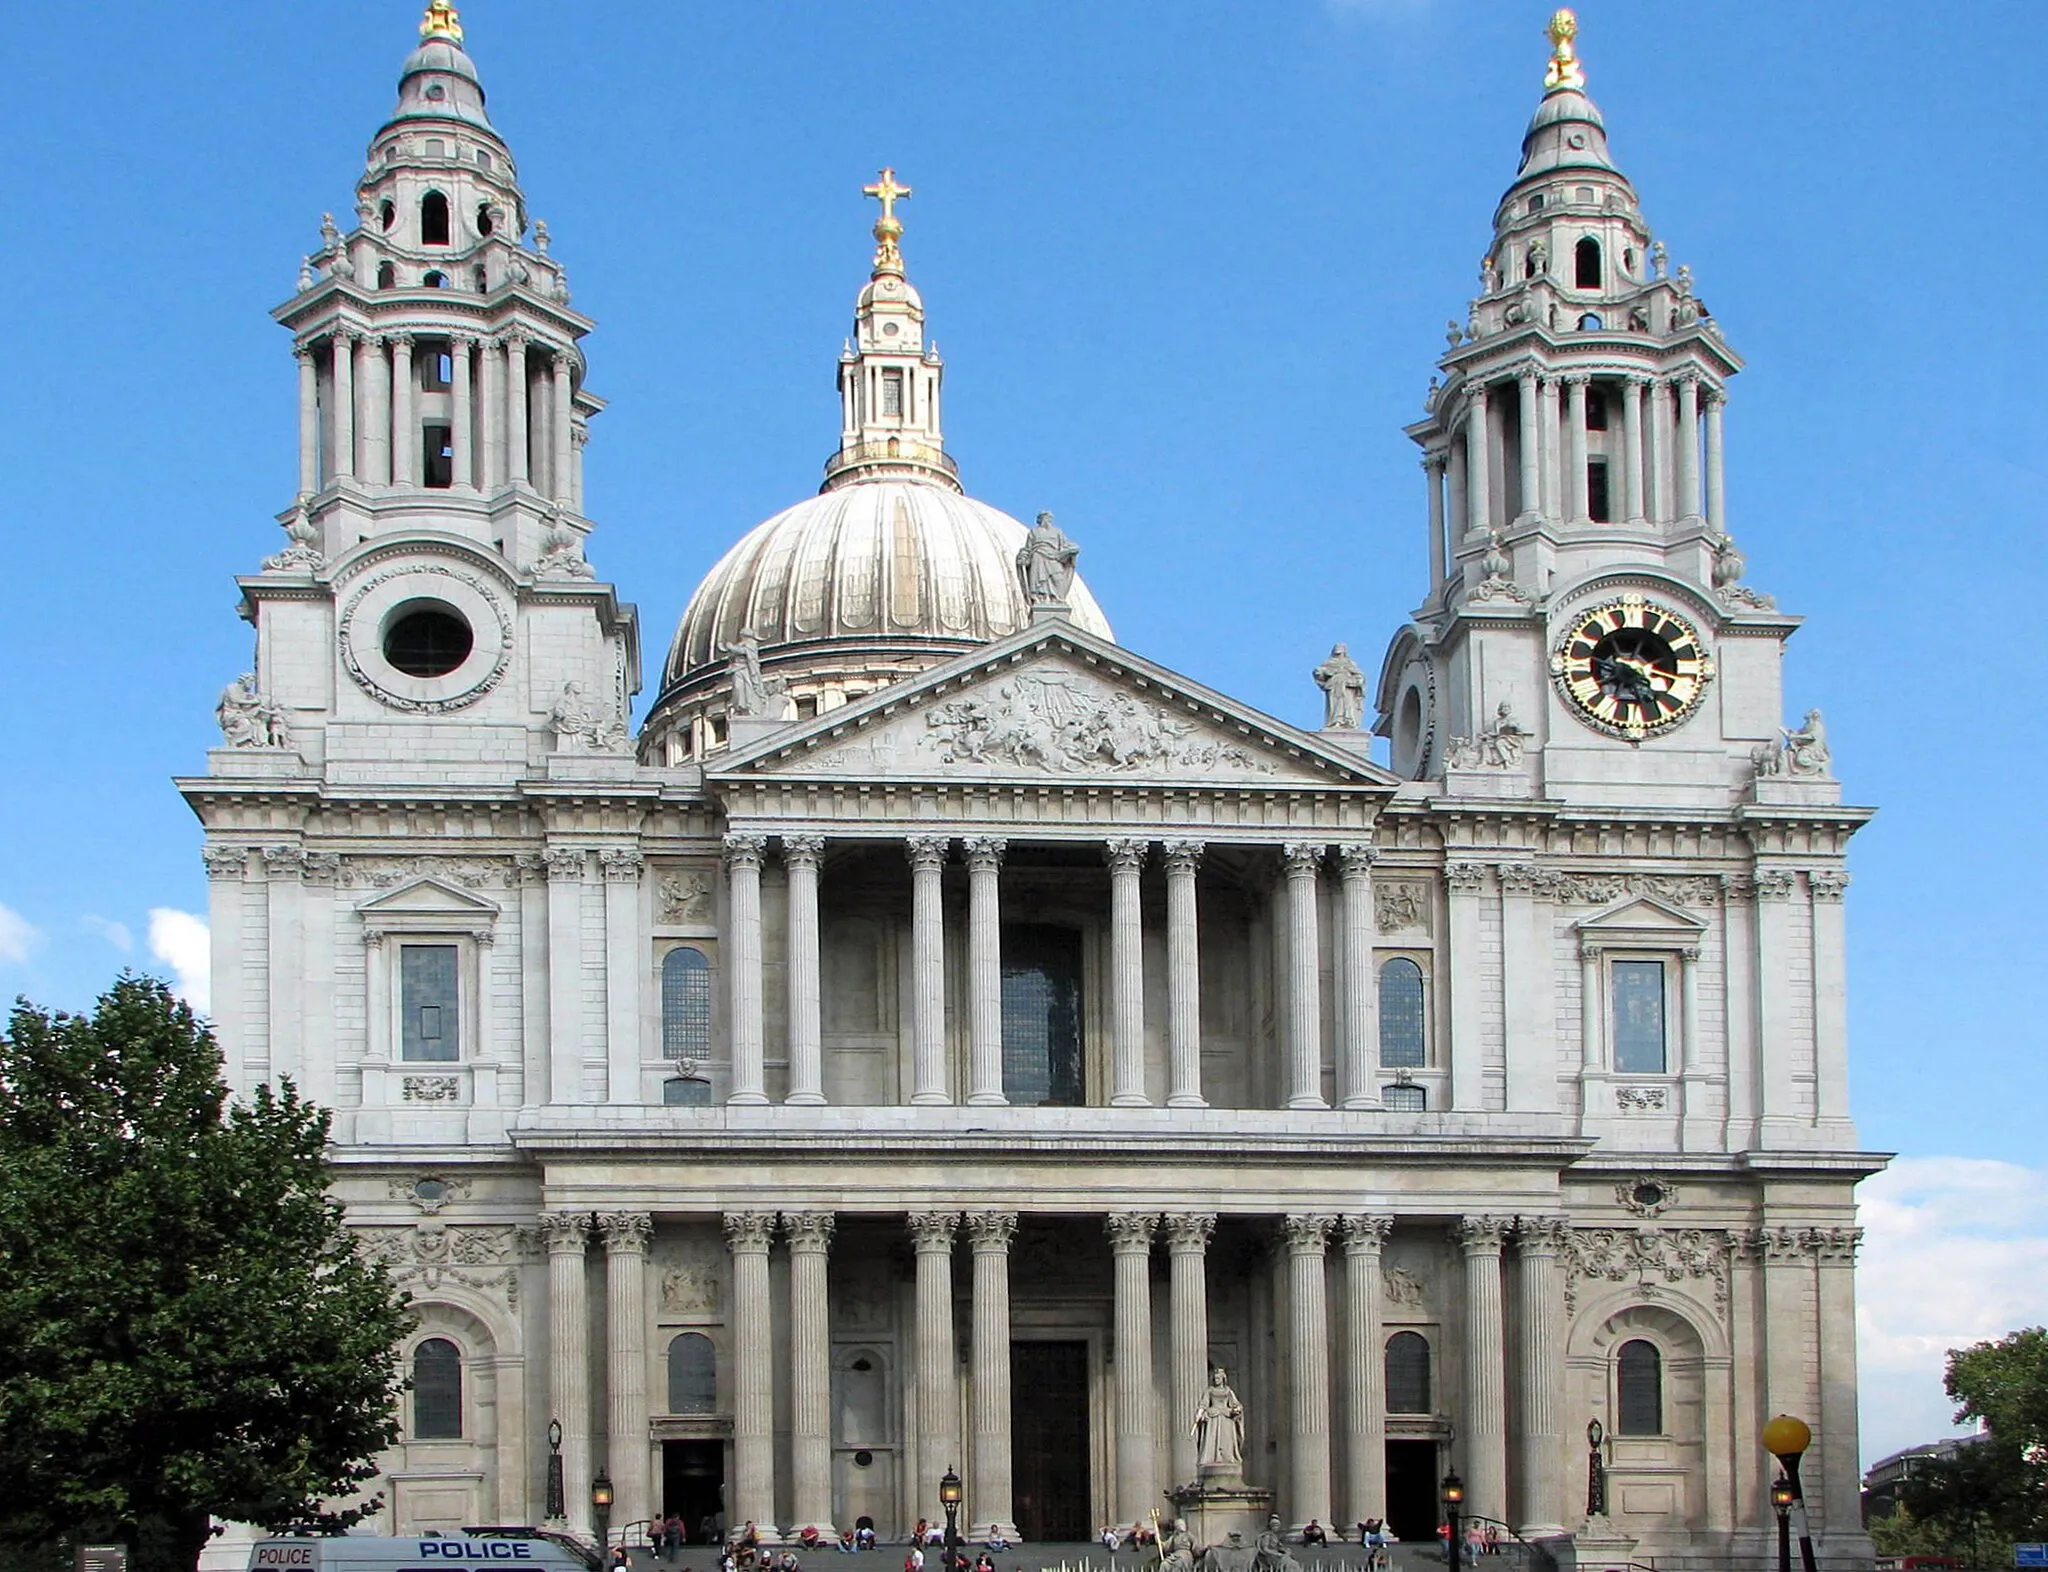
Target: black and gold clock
x,y
1632,668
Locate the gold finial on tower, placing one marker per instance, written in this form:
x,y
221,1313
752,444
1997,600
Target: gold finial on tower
x,y
888,228
1564,69
442,22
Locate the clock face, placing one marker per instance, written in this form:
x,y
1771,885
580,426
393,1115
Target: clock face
x,y
1631,667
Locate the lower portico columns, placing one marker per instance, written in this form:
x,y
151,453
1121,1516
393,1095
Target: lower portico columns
x,y
801,856
1187,1246
1308,1362
927,969
810,1370
1484,1432
1365,1394
1130,1242
988,1480
1126,975
984,969
625,1295
1539,1377
567,1234
748,1236
1183,978
743,855
938,1396
1304,992
1358,1040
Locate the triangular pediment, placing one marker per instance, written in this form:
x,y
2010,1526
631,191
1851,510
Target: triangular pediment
x,y
1054,705
426,895
1637,915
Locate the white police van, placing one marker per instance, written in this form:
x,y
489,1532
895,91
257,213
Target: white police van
x,y
368,1553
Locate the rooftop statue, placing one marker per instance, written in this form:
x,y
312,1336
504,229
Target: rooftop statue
x,y
1045,563
1343,685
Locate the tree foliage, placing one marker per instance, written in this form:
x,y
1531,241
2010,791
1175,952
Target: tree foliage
x,y
186,1327
2005,1385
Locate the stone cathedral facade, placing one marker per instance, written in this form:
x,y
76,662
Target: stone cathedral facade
x,y
941,1034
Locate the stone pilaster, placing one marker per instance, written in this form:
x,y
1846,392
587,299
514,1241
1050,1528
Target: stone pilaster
x,y
989,1495
1484,1431
810,1369
1578,503
801,856
748,1236
743,855
927,970
462,413
1528,383
625,945
342,456
1183,977
1365,1394
625,1272
405,427
561,466
984,969
1478,495
1304,980
517,469
1358,1041
1539,1383
567,1235
566,868
1308,1361
1633,502
1130,1242
309,418
1126,975
1187,1248
1835,1304
938,1393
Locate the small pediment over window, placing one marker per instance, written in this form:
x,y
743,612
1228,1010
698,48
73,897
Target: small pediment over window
x,y
1642,921
427,905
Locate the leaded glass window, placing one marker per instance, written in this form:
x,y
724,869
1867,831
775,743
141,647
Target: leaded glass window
x,y
437,1391
685,1004
1639,1389
1639,1017
1408,1374
1042,1016
1404,1042
692,1374
1401,1098
430,996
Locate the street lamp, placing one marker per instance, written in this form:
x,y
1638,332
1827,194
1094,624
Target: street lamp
x,y
601,1509
949,1497
1782,1498
558,1505
1786,1438
1596,1469
1454,1498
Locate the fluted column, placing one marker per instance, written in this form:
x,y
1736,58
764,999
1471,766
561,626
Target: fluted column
x,y
1183,977
1717,474
515,408
1365,1388
1539,1385
1632,446
462,416
989,1496
490,398
560,464
1532,442
927,970
743,855
1689,446
1304,979
1552,422
984,969
1439,557
1187,1263
373,419
625,1293
810,1369
938,1395
566,1235
1576,502
1130,1243
405,430
1308,1361
1126,975
1657,456
801,856
342,426
1478,492
309,418
748,1236
1484,1431
1358,1045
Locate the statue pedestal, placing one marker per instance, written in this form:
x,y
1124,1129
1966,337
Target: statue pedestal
x,y
1601,1546
1218,1504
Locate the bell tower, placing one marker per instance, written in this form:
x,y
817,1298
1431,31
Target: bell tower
x,y
1573,452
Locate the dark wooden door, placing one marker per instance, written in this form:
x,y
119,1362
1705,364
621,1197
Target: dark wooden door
x,y
1412,1511
1049,1440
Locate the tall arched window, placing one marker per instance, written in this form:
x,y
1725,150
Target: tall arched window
x,y
1586,263
1404,1042
685,1004
437,1391
692,1374
1639,1389
433,219
1408,1374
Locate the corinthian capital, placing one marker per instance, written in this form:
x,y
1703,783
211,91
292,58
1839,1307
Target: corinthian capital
x,y
932,1232
1480,1235
809,1232
1125,856
565,1233
1130,1233
1301,859
1189,1233
1181,856
745,851
1364,1235
991,1232
1306,1233
984,852
625,1232
749,1232
927,852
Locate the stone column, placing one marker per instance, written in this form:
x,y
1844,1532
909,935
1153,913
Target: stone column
x,y
342,427
628,1449
1456,508
1464,890
810,1369
625,961
1187,1245
988,1482
373,425
1183,977
1632,446
559,462
1365,1370
1126,975
984,969
748,1236
405,431
566,1234
1130,1241
1532,443
938,1392
462,439
1478,493
743,855
927,970
309,418
1359,1027
1658,456
1717,474
579,439
1689,446
566,1038
1577,503
1433,473
1539,1384
1553,454
1304,991
1308,1363
1484,1431
515,409
1835,1305
490,398
801,856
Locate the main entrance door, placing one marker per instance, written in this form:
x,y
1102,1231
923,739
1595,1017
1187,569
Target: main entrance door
x,y
693,1487
1411,1491
1049,1440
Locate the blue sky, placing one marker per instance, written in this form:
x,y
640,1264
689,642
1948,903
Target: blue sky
x,y
1189,266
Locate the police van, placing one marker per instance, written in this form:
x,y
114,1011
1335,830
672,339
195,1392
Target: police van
x,y
445,1553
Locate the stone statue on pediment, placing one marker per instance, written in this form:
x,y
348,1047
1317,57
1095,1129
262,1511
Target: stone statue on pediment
x,y
1045,563
1343,685
752,693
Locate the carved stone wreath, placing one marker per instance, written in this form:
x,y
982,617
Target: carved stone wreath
x,y
454,701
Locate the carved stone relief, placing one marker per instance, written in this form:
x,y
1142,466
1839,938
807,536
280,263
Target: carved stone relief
x,y
685,896
468,873
485,1257
692,1278
1653,1257
1401,907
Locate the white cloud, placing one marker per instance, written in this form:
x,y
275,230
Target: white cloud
x,y
17,934
115,933
182,942
1955,1251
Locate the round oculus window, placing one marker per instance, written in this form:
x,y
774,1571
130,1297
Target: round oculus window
x,y
427,639
1648,1194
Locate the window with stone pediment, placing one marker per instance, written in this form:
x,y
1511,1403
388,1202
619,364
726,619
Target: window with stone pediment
x,y
430,992
1408,1374
1404,1015
1640,1038
437,1391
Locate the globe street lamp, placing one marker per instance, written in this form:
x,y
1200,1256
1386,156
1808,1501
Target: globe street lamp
x,y
949,1498
1781,1503
1454,1498
1596,1469
1786,1439
558,1505
601,1509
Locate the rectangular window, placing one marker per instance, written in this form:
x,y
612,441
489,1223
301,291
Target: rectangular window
x,y
1598,506
1041,1016
1596,409
1405,1099
892,394
1639,1017
437,457
431,999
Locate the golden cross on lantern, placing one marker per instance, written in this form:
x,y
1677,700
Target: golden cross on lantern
x,y
886,191
1564,69
442,22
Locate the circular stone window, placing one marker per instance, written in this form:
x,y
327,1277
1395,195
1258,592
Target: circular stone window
x,y
427,639
863,1459
430,1189
1649,1193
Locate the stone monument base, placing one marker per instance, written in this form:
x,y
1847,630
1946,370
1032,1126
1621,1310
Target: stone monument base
x,y
1217,1504
1601,1546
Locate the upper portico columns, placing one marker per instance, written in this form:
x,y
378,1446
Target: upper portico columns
x,y
1358,1042
1304,969
1126,974
928,969
801,857
743,855
984,969
1183,978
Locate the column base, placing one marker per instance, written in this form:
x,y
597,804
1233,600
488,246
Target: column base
x,y
747,1100
805,1099
987,1100
930,1100
1132,1100
1306,1102
1187,1100
1363,1105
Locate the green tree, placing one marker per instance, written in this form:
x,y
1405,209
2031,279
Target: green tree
x,y
2005,1384
186,1328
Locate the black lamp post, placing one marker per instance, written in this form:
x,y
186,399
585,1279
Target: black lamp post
x,y
558,1504
1781,1503
601,1510
1787,1439
949,1497
1596,1469
1454,1498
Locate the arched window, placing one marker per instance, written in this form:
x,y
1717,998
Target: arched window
x,y
1404,1043
1408,1374
685,1004
433,219
1586,263
437,1391
1041,1015
1639,1389
435,280
387,213
484,222
387,275
1590,322
692,1374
